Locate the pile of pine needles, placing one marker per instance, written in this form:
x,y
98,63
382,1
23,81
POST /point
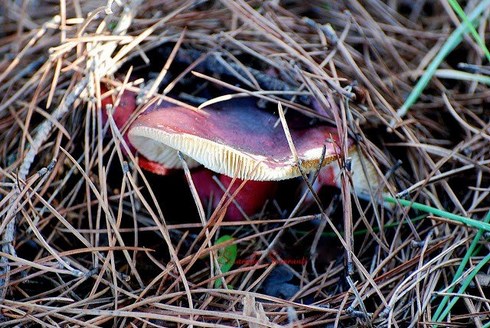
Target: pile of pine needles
x,y
86,243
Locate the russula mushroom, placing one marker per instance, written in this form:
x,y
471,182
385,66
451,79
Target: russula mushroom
x,y
233,138
237,139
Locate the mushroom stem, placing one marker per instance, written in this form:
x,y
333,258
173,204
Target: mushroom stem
x,y
250,199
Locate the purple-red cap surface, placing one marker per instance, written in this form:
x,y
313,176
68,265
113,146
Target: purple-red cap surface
x,y
231,139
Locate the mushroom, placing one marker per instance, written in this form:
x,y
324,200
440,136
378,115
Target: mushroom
x,y
233,138
236,139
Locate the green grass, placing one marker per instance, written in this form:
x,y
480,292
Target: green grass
x,y
453,40
448,301
457,8
450,216
444,308
462,76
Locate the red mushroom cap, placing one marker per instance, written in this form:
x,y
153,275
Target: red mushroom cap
x,y
231,139
122,114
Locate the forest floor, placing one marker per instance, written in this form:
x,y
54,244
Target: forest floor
x,y
89,239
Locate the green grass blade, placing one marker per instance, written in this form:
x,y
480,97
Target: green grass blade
x,y
465,285
483,226
457,8
462,76
451,43
439,314
450,216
